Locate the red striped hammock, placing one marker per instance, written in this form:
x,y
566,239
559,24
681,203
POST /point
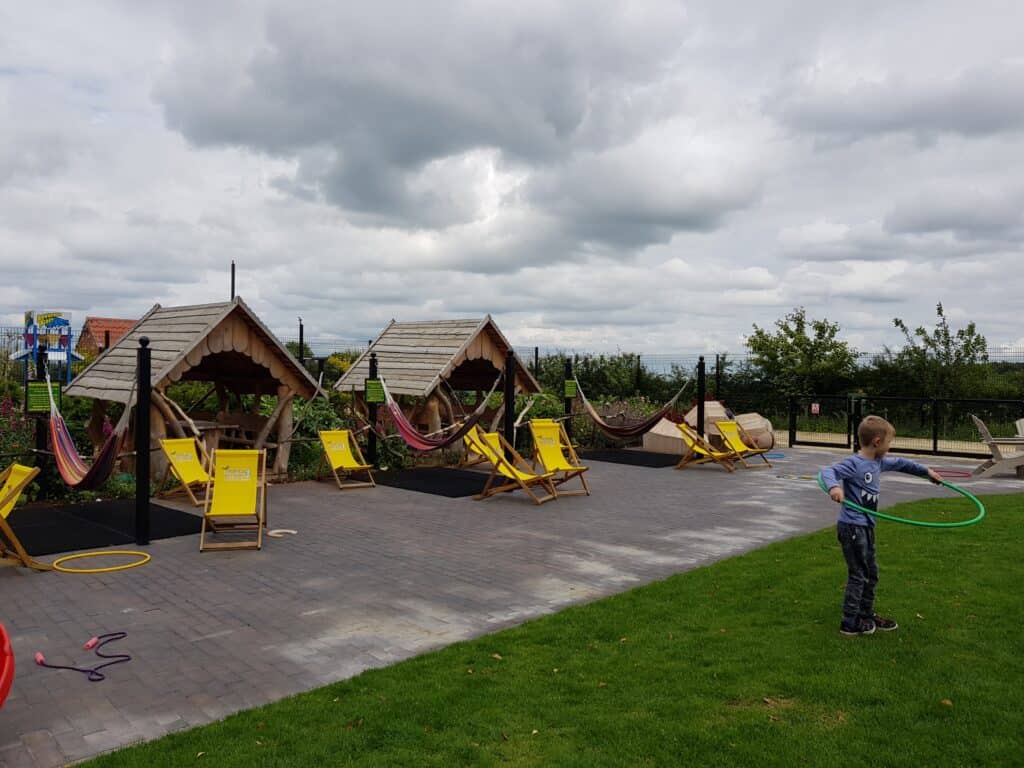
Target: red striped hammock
x,y
628,431
73,469
420,442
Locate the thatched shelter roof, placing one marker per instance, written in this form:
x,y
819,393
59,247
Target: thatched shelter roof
x,y
413,358
224,343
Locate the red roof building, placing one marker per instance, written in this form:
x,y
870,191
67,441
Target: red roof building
x,y
94,333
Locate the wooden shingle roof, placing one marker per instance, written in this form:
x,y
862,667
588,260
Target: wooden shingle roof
x,y
181,338
414,357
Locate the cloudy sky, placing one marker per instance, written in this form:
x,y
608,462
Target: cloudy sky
x,y
651,176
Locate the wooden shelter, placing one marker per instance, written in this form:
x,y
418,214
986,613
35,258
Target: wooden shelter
x,y
424,359
224,344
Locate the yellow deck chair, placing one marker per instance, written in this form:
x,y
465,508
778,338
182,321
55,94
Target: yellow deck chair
x,y
472,456
188,462
15,479
515,471
342,454
555,452
732,433
236,498
700,451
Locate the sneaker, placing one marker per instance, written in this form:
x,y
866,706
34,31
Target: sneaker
x,y
859,627
886,625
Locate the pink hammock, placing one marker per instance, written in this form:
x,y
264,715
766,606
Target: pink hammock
x,y
419,442
631,430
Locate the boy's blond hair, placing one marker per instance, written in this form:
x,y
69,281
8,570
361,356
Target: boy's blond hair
x,y
873,426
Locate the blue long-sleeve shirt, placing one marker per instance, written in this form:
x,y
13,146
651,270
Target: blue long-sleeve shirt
x,y
859,477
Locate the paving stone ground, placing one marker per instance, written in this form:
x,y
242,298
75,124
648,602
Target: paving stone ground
x,y
373,576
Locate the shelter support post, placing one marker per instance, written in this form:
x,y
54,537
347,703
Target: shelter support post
x,y
371,408
510,400
567,403
142,406
702,389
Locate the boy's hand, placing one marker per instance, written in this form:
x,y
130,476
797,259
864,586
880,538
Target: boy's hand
x,y
836,494
935,477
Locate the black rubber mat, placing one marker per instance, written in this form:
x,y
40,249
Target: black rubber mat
x,y
634,458
49,530
439,481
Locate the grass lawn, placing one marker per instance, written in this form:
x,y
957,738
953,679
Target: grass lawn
x,y
738,663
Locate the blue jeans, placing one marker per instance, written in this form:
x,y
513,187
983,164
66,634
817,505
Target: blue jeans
x,y
858,543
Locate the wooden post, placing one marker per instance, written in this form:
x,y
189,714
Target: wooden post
x,y
284,431
142,406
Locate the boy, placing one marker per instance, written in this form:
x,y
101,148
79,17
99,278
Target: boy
x,y
857,478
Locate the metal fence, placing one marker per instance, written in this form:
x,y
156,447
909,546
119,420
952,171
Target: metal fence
x,y
935,426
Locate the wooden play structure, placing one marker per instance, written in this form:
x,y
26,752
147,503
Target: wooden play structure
x,y
430,360
225,345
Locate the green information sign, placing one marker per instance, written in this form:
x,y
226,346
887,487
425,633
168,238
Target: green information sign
x,y
36,399
374,391
570,389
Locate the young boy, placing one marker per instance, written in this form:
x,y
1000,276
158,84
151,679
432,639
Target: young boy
x,y
857,478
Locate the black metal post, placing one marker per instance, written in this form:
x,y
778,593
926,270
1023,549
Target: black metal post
x,y
320,363
106,340
792,421
144,359
371,437
568,400
510,399
302,347
718,376
935,426
702,391
536,362
636,376
232,279
858,415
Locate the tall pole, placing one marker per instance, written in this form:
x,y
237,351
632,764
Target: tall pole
x,y
718,376
371,439
302,347
510,398
42,360
536,362
567,403
702,389
142,401
232,279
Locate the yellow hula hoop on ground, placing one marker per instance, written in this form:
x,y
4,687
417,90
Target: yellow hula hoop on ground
x,y
144,558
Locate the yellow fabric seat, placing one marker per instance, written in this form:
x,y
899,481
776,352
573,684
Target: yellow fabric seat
x,y
236,498
554,451
732,433
16,478
700,451
342,454
188,462
516,471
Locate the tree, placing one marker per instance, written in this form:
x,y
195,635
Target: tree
x,y
803,355
943,363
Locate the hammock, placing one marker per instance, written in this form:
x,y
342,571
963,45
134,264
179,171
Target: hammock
x,y
73,469
420,442
628,431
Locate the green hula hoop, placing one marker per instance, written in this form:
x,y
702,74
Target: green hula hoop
x,y
953,487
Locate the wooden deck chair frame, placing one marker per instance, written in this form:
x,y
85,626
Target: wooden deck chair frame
x,y
256,520
700,451
10,546
570,465
346,471
998,461
477,458
735,438
202,457
514,474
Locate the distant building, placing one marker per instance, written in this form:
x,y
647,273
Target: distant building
x,y
94,332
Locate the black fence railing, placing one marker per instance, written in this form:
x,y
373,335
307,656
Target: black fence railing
x,y
936,426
